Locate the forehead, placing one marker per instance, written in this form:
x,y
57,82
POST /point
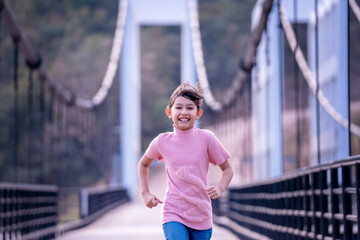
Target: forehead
x,y
180,100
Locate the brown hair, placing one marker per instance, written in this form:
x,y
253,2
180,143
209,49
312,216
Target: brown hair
x,y
188,91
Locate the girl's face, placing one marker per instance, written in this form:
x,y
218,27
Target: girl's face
x,y
183,113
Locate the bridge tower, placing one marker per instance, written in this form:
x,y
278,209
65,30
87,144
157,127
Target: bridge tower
x,y
142,13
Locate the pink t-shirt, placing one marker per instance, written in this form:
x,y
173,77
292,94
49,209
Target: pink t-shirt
x,y
187,155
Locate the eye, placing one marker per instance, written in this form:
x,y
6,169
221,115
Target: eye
x,y
178,108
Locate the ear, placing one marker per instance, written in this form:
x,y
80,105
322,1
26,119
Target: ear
x,y
199,114
168,112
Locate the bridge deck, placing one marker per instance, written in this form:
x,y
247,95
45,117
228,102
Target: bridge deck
x,y
131,221
134,220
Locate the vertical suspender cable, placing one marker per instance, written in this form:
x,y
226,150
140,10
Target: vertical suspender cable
x,y
98,145
233,124
30,139
87,146
56,137
348,75
60,142
64,144
50,116
54,142
296,86
51,107
101,129
1,7
317,82
267,109
226,124
99,133
247,122
41,130
105,126
83,143
281,70
267,53
46,167
16,117
92,126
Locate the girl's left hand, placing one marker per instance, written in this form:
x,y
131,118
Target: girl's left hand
x,y
214,191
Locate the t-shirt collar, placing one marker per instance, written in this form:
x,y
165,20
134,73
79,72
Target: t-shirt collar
x,y
188,132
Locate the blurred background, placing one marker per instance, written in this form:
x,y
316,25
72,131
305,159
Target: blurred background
x,y
74,39
50,134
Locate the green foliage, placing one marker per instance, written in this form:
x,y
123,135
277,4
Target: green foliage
x,y
59,145
74,38
160,74
225,30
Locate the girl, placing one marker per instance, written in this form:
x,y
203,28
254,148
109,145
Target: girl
x,y
186,152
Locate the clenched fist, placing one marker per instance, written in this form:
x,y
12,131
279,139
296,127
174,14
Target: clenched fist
x,y
150,200
214,191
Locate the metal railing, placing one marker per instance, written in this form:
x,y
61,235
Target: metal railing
x,y
100,199
321,202
93,204
32,211
27,211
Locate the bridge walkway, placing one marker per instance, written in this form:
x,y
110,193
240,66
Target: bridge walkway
x,y
134,220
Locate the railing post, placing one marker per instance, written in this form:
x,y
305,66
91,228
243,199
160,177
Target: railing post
x,y
346,182
84,203
268,205
307,205
12,216
282,206
286,207
334,203
323,203
18,210
316,205
299,207
293,206
357,175
2,210
277,204
5,209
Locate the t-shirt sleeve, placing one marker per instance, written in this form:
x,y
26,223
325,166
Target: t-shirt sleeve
x,y
153,150
217,152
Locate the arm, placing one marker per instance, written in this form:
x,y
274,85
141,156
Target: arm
x,y
143,174
227,173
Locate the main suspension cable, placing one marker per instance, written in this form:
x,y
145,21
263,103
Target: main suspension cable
x,y
355,8
33,59
244,68
305,70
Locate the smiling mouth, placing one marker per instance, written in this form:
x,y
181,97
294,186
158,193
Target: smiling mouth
x,y
184,119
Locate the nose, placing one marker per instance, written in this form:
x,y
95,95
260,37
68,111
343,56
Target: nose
x,y
184,111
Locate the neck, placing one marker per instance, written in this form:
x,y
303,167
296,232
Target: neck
x,y
185,132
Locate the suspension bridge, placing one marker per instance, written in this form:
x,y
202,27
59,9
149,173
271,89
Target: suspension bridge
x,y
290,119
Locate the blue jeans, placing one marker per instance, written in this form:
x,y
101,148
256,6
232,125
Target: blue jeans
x,y
178,231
